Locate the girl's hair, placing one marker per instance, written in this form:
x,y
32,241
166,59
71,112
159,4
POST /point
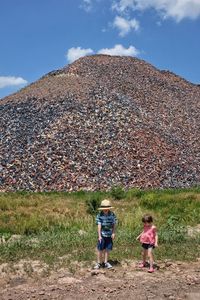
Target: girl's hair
x,y
147,219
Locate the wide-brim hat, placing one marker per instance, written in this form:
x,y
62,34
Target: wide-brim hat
x,y
105,204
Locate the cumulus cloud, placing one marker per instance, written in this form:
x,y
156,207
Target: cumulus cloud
x,y
8,81
125,26
120,50
75,53
86,5
123,5
176,9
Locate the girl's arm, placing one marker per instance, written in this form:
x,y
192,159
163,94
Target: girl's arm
x,y
137,238
156,240
156,236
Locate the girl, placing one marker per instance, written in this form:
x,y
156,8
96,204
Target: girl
x,y
149,240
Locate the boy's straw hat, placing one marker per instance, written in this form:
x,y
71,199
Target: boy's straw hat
x,y
105,204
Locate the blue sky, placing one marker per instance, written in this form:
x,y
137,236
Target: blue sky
x,y
38,36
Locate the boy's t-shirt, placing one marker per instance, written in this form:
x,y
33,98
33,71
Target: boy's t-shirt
x,y
107,221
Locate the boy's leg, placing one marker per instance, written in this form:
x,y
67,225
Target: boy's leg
x,y
108,245
100,253
100,250
99,259
99,256
107,264
106,256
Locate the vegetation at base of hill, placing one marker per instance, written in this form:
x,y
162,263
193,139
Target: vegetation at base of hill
x,y
59,227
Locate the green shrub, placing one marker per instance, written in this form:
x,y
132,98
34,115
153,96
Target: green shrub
x,y
134,193
92,205
155,201
173,231
117,193
52,225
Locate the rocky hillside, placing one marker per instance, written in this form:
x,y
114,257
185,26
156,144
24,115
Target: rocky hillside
x,y
99,122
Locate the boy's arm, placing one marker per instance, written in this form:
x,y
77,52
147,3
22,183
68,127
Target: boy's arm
x,y
99,232
113,231
114,226
98,222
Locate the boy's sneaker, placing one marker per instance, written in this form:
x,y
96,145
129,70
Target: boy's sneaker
x,y
107,265
151,270
97,266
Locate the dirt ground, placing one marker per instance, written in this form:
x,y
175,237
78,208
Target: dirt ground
x,y
172,280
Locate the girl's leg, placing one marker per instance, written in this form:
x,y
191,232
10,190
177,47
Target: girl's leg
x,y
151,259
144,256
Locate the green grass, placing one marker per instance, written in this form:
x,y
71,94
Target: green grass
x,y
57,227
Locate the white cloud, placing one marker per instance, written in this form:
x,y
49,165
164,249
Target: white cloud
x,y
8,81
183,9
86,5
120,50
75,53
123,5
125,26
176,9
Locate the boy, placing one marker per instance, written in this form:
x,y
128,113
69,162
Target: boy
x,y
106,221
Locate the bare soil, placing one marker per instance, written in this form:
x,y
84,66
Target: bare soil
x,y
171,280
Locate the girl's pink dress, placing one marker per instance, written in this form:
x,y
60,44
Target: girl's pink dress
x,y
148,235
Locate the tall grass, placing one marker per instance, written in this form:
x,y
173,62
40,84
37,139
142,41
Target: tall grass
x,y
58,227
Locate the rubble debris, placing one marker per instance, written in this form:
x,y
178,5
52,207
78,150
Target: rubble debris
x,y
110,121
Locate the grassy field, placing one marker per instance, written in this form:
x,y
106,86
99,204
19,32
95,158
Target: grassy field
x,y
58,228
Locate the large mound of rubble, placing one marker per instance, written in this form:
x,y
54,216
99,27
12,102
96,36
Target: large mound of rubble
x,y
100,122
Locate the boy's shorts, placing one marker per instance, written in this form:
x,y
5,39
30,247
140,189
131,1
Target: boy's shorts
x,y
147,246
105,244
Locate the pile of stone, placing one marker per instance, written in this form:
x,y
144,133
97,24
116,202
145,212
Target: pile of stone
x,y
100,122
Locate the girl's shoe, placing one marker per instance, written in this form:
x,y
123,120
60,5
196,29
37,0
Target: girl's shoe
x,y
151,270
141,265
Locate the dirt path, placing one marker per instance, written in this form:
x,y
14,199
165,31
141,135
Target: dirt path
x,y
171,281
